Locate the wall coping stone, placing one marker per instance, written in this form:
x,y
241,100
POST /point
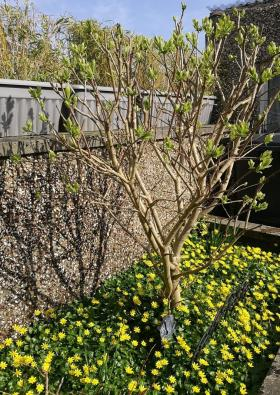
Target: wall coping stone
x,y
40,144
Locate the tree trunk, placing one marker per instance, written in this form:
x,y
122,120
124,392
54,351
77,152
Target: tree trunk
x,y
172,289
176,291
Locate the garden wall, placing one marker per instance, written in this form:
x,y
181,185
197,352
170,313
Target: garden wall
x,y
266,15
56,243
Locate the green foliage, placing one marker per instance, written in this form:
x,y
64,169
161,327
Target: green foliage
x,y
214,151
52,155
33,42
268,138
28,127
257,202
238,130
72,128
110,344
224,27
253,74
73,187
143,134
15,158
265,161
168,144
267,75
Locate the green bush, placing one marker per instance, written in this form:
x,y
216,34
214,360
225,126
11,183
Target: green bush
x,y
111,344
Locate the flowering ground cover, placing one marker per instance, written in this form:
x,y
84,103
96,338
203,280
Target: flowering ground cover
x,y
228,322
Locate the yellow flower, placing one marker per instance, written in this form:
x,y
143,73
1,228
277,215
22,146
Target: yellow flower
x,y
3,365
19,343
172,379
136,300
156,387
61,335
125,337
20,383
195,389
161,363
169,389
63,321
183,309
132,386
132,313
154,305
155,372
243,390
37,313
94,381
20,329
129,370
151,276
134,343
203,362
148,263
8,342
32,380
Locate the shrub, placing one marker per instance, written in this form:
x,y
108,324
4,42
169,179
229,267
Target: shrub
x,y
111,344
132,125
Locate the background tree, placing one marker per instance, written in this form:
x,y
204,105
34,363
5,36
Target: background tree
x,y
32,42
90,33
139,122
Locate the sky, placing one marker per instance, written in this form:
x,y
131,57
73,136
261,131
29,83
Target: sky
x,y
148,17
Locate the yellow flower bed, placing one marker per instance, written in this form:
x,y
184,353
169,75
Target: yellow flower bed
x,y
111,344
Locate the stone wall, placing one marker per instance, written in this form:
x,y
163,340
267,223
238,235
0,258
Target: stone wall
x,y
56,243
264,14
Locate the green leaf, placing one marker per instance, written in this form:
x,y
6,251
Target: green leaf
x,y
253,74
272,49
168,144
35,92
73,188
251,164
268,138
72,128
239,129
28,128
52,155
224,26
16,158
266,75
143,134
265,161
43,117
